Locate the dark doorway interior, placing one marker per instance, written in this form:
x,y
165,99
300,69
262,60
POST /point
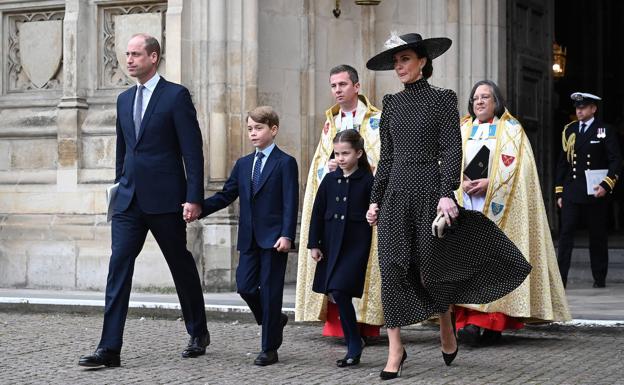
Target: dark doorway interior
x,y
592,31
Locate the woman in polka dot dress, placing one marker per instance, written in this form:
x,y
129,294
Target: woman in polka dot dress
x,y
419,168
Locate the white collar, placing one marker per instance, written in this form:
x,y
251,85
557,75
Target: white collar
x,y
151,84
588,123
267,151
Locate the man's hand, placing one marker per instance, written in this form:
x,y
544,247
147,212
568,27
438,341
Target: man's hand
x,y
191,211
316,254
599,191
282,245
560,202
332,165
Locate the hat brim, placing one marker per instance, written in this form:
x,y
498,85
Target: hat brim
x,y
384,61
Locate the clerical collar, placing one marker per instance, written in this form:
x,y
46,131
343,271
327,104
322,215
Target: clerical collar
x,y
343,114
489,121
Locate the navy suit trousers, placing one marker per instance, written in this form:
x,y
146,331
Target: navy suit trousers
x,y
596,215
260,282
129,230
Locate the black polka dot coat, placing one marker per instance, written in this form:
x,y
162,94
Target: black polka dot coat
x,y
420,162
339,228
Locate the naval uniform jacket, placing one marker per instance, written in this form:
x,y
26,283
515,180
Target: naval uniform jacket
x,y
595,149
339,228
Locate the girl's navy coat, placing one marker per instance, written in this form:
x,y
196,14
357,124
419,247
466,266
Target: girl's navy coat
x,y
339,228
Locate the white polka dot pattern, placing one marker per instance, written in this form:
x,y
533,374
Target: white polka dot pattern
x,y
420,161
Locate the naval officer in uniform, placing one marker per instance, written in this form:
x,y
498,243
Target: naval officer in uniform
x,y
588,144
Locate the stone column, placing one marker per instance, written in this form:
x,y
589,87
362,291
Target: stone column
x,y
232,74
217,36
73,106
367,36
174,40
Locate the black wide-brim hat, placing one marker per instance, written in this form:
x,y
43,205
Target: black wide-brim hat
x,y
384,61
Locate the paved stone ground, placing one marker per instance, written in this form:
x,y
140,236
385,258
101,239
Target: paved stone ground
x,y
44,349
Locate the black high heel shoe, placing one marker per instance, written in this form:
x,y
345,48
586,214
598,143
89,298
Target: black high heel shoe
x,y
348,361
449,357
392,375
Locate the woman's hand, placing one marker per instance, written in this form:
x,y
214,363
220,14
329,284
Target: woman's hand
x,y
448,207
477,186
371,214
316,254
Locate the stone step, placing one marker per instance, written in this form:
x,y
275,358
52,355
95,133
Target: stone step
x,y
580,270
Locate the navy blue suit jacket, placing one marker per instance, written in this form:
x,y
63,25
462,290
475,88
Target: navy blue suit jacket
x,y
164,167
269,214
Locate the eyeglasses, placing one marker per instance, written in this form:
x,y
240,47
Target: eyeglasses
x,y
485,98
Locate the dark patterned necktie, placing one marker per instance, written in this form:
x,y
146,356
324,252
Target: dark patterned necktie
x,y
583,125
255,177
138,111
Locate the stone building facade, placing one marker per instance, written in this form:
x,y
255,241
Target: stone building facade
x,y
63,67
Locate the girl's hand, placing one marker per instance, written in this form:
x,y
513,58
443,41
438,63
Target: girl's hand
x,y
448,207
371,214
316,254
478,187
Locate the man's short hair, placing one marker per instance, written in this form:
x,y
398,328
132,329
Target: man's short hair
x,y
265,115
151,44
353,75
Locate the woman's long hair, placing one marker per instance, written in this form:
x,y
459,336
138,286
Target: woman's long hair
x,y
356,141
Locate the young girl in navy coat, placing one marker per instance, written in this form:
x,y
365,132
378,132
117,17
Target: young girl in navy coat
x,y
340,237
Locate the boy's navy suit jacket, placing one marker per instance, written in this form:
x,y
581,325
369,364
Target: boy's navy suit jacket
x,y
269,214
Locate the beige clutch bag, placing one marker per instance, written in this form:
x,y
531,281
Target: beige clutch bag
x,y
438,226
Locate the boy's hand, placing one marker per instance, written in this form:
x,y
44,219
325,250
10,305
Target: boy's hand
x,y
282,245
316,254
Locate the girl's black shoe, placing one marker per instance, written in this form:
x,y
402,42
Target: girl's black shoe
x,y
392,375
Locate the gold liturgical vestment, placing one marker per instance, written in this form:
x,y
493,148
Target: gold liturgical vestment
x,y
514,202
312,306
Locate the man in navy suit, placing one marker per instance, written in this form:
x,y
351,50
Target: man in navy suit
x,y
267,185
159,168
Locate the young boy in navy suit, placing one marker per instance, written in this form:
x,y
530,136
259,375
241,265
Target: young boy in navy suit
x,y
266,181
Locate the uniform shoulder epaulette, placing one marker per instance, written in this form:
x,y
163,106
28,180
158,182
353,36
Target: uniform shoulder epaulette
x,y
567,142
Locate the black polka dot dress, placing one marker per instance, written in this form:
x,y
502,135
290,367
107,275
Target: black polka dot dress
x,y
420,162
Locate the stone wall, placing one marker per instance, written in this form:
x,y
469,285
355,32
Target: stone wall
x,y
63,66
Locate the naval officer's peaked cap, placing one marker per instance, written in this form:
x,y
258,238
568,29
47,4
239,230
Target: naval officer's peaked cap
x,y
583,98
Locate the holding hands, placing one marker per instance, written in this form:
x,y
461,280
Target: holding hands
x,y
191,211
371,214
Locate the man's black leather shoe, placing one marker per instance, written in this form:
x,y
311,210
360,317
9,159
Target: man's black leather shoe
x,y
598,284
196,346
266,358
101,357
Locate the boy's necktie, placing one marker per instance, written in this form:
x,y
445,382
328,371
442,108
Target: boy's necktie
x,y
255,178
